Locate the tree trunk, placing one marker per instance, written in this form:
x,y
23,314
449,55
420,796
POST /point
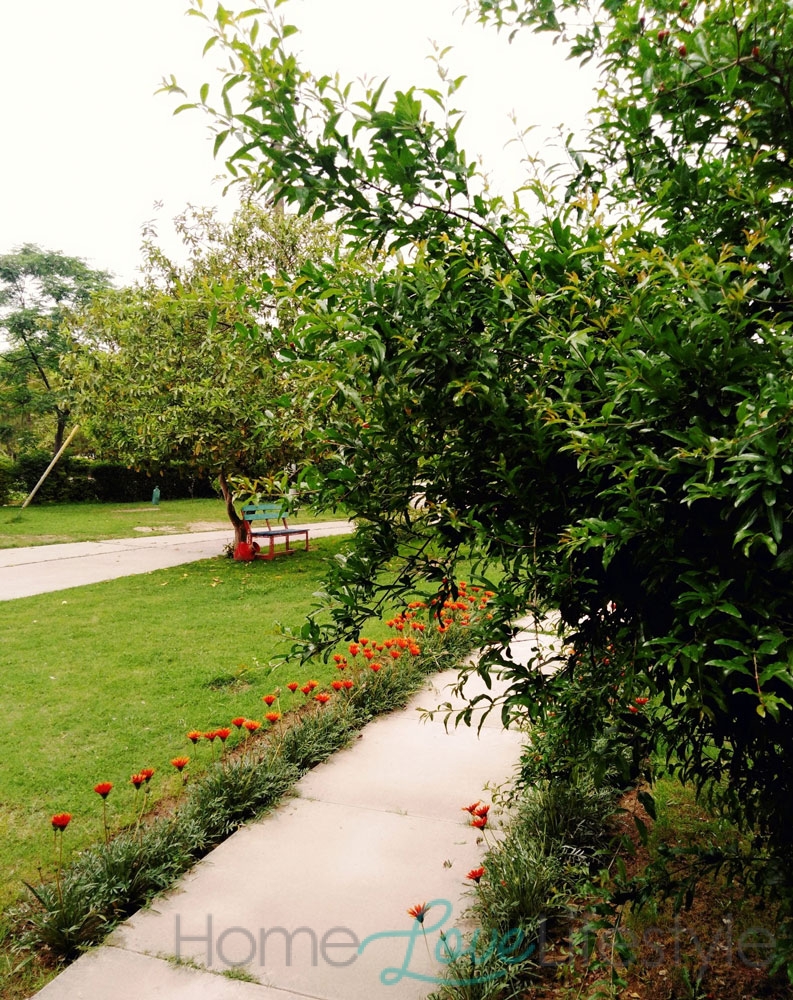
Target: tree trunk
x,y
61,416
240,533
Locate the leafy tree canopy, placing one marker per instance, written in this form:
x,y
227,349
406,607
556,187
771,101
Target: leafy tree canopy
x,y
183,367
39,290
592,391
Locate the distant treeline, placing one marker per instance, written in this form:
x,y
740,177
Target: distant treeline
x,y
75,479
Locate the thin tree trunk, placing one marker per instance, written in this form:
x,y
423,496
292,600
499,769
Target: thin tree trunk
x,y
61,417
240,534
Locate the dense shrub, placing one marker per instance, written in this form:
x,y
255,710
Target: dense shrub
x,y
7,479
75,479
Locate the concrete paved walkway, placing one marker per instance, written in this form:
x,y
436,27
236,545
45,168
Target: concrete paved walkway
x,y
311,900
44,568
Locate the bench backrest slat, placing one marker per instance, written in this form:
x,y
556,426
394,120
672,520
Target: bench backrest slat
x,y
263,512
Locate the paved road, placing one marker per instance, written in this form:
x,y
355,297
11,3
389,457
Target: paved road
x,y
43,568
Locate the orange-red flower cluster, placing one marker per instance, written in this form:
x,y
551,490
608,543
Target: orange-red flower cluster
x,y
60,821
479,814
103,788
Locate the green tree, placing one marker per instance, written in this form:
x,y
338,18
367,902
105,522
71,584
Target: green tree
x,y
184,367
593,391
39,290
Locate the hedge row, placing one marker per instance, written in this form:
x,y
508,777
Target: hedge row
x,y
75,479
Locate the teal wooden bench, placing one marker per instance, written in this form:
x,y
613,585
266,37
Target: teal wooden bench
x,y
274,528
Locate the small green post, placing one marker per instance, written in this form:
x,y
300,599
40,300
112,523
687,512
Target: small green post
x,y
155,497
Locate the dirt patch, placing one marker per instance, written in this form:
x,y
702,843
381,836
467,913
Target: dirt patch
x,y
209,525
715,948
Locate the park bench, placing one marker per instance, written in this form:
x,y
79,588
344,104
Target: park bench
x,y
275,528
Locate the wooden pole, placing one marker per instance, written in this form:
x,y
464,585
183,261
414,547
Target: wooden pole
x,y
52,464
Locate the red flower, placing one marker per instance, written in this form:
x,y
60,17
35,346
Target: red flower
x,y
481,810
312,685
364,642
414,650
341,665
180,763
375,666
354,649
475,874
306,689
633,708
337,657
147,773
641,701
137,780
269,699
273,717
194,736
223,734
103,788
210,736
347,684
293,686
323,697
395,653
480,822
239,722
369,654
251,725
472,808
337,685
61,820
419,911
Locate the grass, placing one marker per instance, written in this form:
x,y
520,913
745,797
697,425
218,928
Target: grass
x,y
91,522
102,883
101,681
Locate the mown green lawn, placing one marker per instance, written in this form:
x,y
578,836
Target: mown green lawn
x,y
98,682
90,522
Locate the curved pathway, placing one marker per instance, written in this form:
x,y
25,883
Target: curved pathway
x,y
43,568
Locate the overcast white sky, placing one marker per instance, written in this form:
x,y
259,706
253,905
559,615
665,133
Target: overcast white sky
x,y
87,149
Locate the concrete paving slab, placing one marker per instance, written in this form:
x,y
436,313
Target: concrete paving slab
x,y
417,776
113,974
322,877
42,569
